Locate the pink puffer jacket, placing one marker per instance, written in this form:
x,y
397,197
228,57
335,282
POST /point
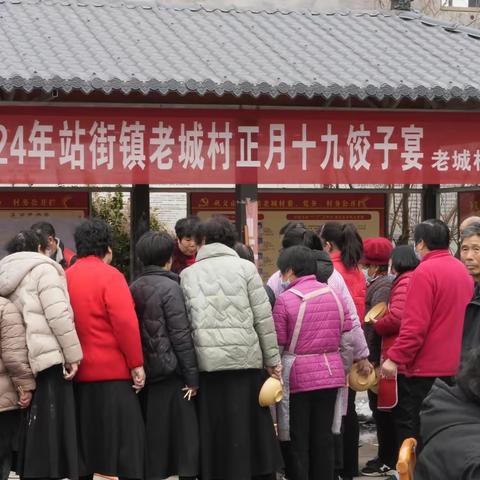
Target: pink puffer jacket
x,y
318,364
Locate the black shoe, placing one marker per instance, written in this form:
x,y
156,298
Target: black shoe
x,y
373,461
376,468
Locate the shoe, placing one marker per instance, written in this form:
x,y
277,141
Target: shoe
x,y
376,468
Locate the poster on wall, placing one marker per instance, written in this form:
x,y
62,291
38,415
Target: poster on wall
x,y
20,210
366,211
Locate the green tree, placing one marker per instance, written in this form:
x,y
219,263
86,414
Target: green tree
x,y
113,208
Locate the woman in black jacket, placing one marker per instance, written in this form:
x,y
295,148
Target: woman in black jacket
x,y
172,445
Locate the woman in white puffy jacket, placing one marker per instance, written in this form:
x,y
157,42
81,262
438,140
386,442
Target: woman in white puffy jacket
x,y
37,286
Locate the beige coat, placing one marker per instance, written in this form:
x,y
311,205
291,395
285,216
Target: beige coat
x,y
38,288
15,372
231,317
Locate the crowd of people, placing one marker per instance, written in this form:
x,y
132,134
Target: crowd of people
x,y
162,377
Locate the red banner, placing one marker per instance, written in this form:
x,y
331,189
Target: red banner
x,y
83,145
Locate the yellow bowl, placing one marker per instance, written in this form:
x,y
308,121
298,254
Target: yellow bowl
x,y
376,312
270,393
358,382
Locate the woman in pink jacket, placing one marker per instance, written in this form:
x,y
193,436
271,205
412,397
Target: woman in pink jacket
x,y
310,319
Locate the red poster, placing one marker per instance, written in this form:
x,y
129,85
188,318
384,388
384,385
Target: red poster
x,y
90,145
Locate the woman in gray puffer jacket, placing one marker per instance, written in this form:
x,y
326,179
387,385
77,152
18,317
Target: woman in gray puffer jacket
x,y
37,286
235,339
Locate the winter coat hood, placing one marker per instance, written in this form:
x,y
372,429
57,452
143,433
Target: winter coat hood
x,y
447,407
14,268
450,429
324,265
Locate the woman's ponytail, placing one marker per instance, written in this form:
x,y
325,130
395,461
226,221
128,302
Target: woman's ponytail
x,y
352,246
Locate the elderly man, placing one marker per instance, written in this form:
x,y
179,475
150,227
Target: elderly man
x,y
470,256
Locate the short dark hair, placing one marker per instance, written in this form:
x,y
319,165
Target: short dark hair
x,y
434,233
44,228
244,251
217,229
93,237
155,248
470,231
301,236
404,259
185,227
469,377
26,241
290,225
299,259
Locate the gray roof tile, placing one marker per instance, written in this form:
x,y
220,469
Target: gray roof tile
x,y
108,46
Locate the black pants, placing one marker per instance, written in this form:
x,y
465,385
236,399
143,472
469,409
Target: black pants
x,y
350,438
411,393
387,439
9,422
311,447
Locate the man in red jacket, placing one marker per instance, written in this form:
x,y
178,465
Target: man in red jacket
x,y
430,338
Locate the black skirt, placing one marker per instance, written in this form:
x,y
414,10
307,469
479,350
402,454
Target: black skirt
x,y
237,437
48,435
110,429
171,425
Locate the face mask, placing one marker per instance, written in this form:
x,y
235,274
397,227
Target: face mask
x,y
368,278
285,284
392,276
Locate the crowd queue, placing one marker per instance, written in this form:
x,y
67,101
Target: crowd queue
x,y
162,377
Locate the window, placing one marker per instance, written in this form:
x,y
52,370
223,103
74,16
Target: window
x,y
460,4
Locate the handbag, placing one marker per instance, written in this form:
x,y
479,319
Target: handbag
x,y
288,358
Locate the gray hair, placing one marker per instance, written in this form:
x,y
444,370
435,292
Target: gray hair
x,y
470,231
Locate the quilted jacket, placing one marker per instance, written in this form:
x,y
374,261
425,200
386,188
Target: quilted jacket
x,y
38,288
164,328
15,371
229,311
318,364
359,349
355,281
388,326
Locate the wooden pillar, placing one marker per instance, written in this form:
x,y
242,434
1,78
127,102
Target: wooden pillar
x,y
430,201
139,222
242,193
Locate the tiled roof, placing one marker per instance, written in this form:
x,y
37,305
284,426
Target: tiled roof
x,y
109,46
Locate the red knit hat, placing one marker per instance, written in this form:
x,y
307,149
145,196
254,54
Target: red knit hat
x,y
376,251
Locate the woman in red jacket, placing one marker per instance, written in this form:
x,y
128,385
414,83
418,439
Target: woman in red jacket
x,y
404,262
110,424
345,247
